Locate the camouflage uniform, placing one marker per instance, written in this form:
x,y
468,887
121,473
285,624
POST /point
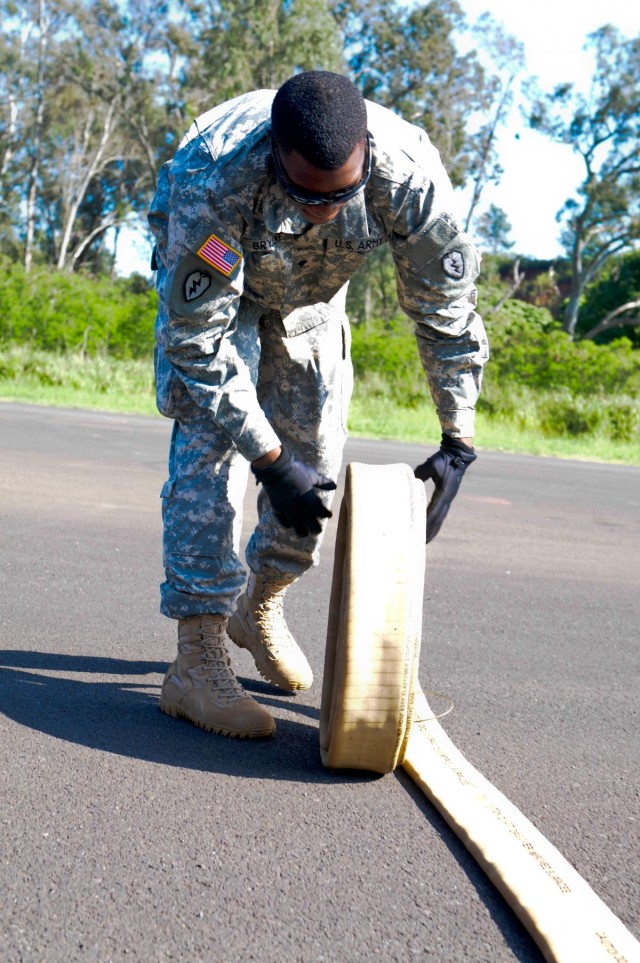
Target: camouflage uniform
x,y
252,342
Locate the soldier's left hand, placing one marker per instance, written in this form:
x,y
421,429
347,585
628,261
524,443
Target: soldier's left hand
x,y
445,468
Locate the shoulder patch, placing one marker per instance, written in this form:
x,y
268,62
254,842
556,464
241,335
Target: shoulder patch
x,y
196,284
453,264
219,255
196,289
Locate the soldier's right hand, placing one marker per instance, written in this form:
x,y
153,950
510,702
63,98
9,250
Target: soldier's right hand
x,y
290,486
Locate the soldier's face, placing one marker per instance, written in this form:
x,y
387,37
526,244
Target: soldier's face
x,y
301,174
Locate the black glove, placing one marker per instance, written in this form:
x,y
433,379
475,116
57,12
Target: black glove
x,y
445,469
290,486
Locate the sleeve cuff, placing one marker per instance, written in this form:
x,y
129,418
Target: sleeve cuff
x,y
459,423
254,444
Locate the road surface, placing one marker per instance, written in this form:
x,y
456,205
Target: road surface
x,y
127,835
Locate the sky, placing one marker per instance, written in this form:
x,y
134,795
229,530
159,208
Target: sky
x,y
539,175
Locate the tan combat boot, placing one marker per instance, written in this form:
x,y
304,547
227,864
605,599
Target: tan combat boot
x,y
259,626
200,685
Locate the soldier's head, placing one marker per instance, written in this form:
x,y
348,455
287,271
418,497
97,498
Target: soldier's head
x,y
321,148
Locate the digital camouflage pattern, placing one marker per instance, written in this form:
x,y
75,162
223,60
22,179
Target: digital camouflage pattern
x,y
221,181
251,338
307,404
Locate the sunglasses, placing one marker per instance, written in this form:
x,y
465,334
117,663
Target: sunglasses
x,y
311,199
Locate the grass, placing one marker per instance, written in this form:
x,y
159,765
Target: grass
x,y
126,387
375,418
40,377
65,396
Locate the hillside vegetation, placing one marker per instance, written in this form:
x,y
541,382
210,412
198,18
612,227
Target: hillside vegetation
x,y
75,340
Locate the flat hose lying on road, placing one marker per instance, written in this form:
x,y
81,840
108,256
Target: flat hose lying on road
x,y
375,716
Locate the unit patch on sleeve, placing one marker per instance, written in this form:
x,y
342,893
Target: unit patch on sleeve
x,y
196,284
219,255
453,264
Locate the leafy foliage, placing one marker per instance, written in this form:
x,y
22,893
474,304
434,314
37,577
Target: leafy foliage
x,y
537,378
385,356
406,58
618,284
540,379
494,229
372,291
238,45
78,313
529,347
64,330
82,131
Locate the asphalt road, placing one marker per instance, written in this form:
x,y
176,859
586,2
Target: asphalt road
x,y
125,834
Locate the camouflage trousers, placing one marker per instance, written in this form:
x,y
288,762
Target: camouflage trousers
x,y
301,367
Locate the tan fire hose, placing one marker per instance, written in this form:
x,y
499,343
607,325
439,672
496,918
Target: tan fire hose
x,y
375,716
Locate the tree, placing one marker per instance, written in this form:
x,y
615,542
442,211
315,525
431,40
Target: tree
x,y
372,292
406,58
506,58
27,29
604,128
84,130
241,45
494,228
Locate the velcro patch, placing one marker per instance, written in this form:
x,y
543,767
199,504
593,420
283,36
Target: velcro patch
x,y
453,264
196,284
219,255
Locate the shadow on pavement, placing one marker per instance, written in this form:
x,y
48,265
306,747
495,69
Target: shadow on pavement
x,y
117,711
40,691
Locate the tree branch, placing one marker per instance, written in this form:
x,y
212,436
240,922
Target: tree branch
x,y
518,278
611,321
100,229
89,173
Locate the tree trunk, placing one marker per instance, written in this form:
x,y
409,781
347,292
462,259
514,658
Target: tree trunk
x,y
582,275
570,319
11,135
518,278
32,189
481,177
82,190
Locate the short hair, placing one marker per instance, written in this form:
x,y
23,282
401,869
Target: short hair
x,y
322,116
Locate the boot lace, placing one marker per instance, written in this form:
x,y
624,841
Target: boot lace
x,y
269,615
218,672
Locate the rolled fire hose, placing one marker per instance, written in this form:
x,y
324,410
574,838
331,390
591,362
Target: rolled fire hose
x,y
374,716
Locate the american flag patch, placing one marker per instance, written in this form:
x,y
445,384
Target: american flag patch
x,y
219,255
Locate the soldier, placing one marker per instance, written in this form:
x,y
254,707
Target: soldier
x,y
268,208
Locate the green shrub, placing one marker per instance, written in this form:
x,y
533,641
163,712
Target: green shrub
x,y
92,335
59,311
559,414
528,347
386,356
618,284
562,414
624,419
